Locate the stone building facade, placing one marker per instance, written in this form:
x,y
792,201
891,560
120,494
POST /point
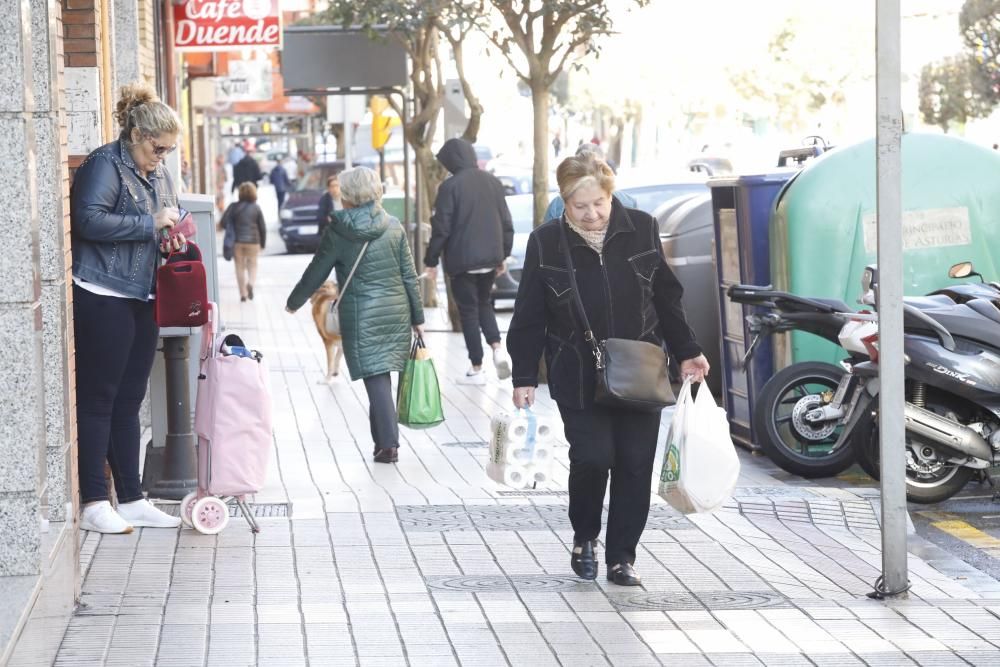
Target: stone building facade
x,y
61,62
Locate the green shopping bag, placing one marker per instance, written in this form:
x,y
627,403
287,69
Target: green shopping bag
x,y
418,400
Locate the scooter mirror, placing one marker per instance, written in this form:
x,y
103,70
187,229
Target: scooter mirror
x,y
961,270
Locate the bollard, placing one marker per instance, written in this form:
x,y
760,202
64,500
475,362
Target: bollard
x,y
179,473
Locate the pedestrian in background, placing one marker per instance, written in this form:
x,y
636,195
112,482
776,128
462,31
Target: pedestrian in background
x,y
472,228
282,184
246,170
557,206
328,203
121,199
379,306
250,235
628,291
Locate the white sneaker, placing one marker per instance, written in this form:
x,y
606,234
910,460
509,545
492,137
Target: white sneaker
x,y
142,514
502,362
473,377
102,518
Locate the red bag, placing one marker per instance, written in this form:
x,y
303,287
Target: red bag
x,y
182,290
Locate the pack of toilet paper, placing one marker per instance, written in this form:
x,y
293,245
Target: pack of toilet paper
x,y
520,449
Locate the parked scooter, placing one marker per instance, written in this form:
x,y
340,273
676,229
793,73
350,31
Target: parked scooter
x,y
952,409
809,448
793,419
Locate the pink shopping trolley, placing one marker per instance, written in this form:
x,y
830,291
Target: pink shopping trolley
x,y
233,424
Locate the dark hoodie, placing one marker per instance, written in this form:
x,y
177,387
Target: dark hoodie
x,y
471,224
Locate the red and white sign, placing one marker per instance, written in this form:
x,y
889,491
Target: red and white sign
x,y
227,25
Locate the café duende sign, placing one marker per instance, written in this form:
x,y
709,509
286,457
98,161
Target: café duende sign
x,y
224,25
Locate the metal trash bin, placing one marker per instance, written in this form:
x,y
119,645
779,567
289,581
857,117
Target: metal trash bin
x,y
687,235
741,211
202,208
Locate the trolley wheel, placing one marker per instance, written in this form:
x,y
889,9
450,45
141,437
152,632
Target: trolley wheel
x,y
187,504
209,515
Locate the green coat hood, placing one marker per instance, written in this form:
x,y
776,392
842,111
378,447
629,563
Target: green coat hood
x,y
363,223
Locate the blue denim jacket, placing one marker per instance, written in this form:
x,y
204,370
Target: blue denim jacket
x,y
111,220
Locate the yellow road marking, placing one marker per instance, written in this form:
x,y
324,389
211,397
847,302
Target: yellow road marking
x,y
968,534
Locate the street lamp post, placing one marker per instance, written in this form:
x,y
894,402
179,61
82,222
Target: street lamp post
x,y
892,429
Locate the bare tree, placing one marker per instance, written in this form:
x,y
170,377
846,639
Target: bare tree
x,y
549,34
418,25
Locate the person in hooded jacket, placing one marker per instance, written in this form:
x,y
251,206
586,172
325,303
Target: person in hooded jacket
x,y
471,226
379,306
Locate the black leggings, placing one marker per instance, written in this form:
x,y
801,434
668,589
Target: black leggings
x,y
475,310
622,442
115,346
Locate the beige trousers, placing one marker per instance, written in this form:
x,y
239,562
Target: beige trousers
x,y
245,260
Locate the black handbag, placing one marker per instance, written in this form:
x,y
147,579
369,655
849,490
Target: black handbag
x,y
630,373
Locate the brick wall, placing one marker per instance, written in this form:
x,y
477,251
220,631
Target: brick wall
x,y
81,32
147,40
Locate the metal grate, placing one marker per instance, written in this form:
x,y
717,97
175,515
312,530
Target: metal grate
x,y
469,444
532,493
259,510
715,600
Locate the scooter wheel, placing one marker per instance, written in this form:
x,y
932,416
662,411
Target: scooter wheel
x,y
782,433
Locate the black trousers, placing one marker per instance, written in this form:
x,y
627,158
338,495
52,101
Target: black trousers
x,y
620,442
382,411
475,310
115,346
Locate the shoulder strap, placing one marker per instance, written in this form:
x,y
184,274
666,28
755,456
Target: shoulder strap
x,y
588,334
351,274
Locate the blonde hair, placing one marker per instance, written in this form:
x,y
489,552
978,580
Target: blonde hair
x,y
579,170
360,185
140,109
248,192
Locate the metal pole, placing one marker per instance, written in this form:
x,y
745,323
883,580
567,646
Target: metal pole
x,y
892,429
348,134
180,471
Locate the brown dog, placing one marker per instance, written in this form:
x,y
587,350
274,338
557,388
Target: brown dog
x,y
321,300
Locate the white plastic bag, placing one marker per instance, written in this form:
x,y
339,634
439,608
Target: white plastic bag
x,y
700,465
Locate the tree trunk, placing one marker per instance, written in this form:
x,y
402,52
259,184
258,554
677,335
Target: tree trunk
x,y
540,167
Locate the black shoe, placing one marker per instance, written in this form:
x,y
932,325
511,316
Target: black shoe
x,y
387,455
242,299
583,563
250,292
623,574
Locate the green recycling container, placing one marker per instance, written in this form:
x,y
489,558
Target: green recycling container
x,y
822,231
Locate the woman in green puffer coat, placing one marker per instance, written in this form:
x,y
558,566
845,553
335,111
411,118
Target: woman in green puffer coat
x,y
379,306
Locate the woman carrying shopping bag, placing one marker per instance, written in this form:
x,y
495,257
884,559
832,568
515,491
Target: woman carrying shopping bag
x,y
598,299
378,306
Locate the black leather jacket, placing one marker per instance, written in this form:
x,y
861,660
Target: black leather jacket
x,y
628,291
111,220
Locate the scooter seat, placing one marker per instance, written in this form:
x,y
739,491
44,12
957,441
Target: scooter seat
x,y
966,321
928,302
985,308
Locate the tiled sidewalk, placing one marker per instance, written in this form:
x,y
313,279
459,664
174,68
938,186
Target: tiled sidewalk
x,y
430,563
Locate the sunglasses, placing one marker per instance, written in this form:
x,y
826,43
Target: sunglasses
x,y
160,151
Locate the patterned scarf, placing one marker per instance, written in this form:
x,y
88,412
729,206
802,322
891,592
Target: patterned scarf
x,y
594,238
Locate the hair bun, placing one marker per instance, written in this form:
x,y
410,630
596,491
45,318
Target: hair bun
x,y
133,95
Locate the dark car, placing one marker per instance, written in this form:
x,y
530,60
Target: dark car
x,y
522,215
299,228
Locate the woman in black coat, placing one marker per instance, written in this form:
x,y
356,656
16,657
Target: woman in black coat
x,y
628,291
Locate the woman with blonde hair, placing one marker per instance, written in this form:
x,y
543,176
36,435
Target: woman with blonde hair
x,y
627,291
122,203
244,224
379,306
